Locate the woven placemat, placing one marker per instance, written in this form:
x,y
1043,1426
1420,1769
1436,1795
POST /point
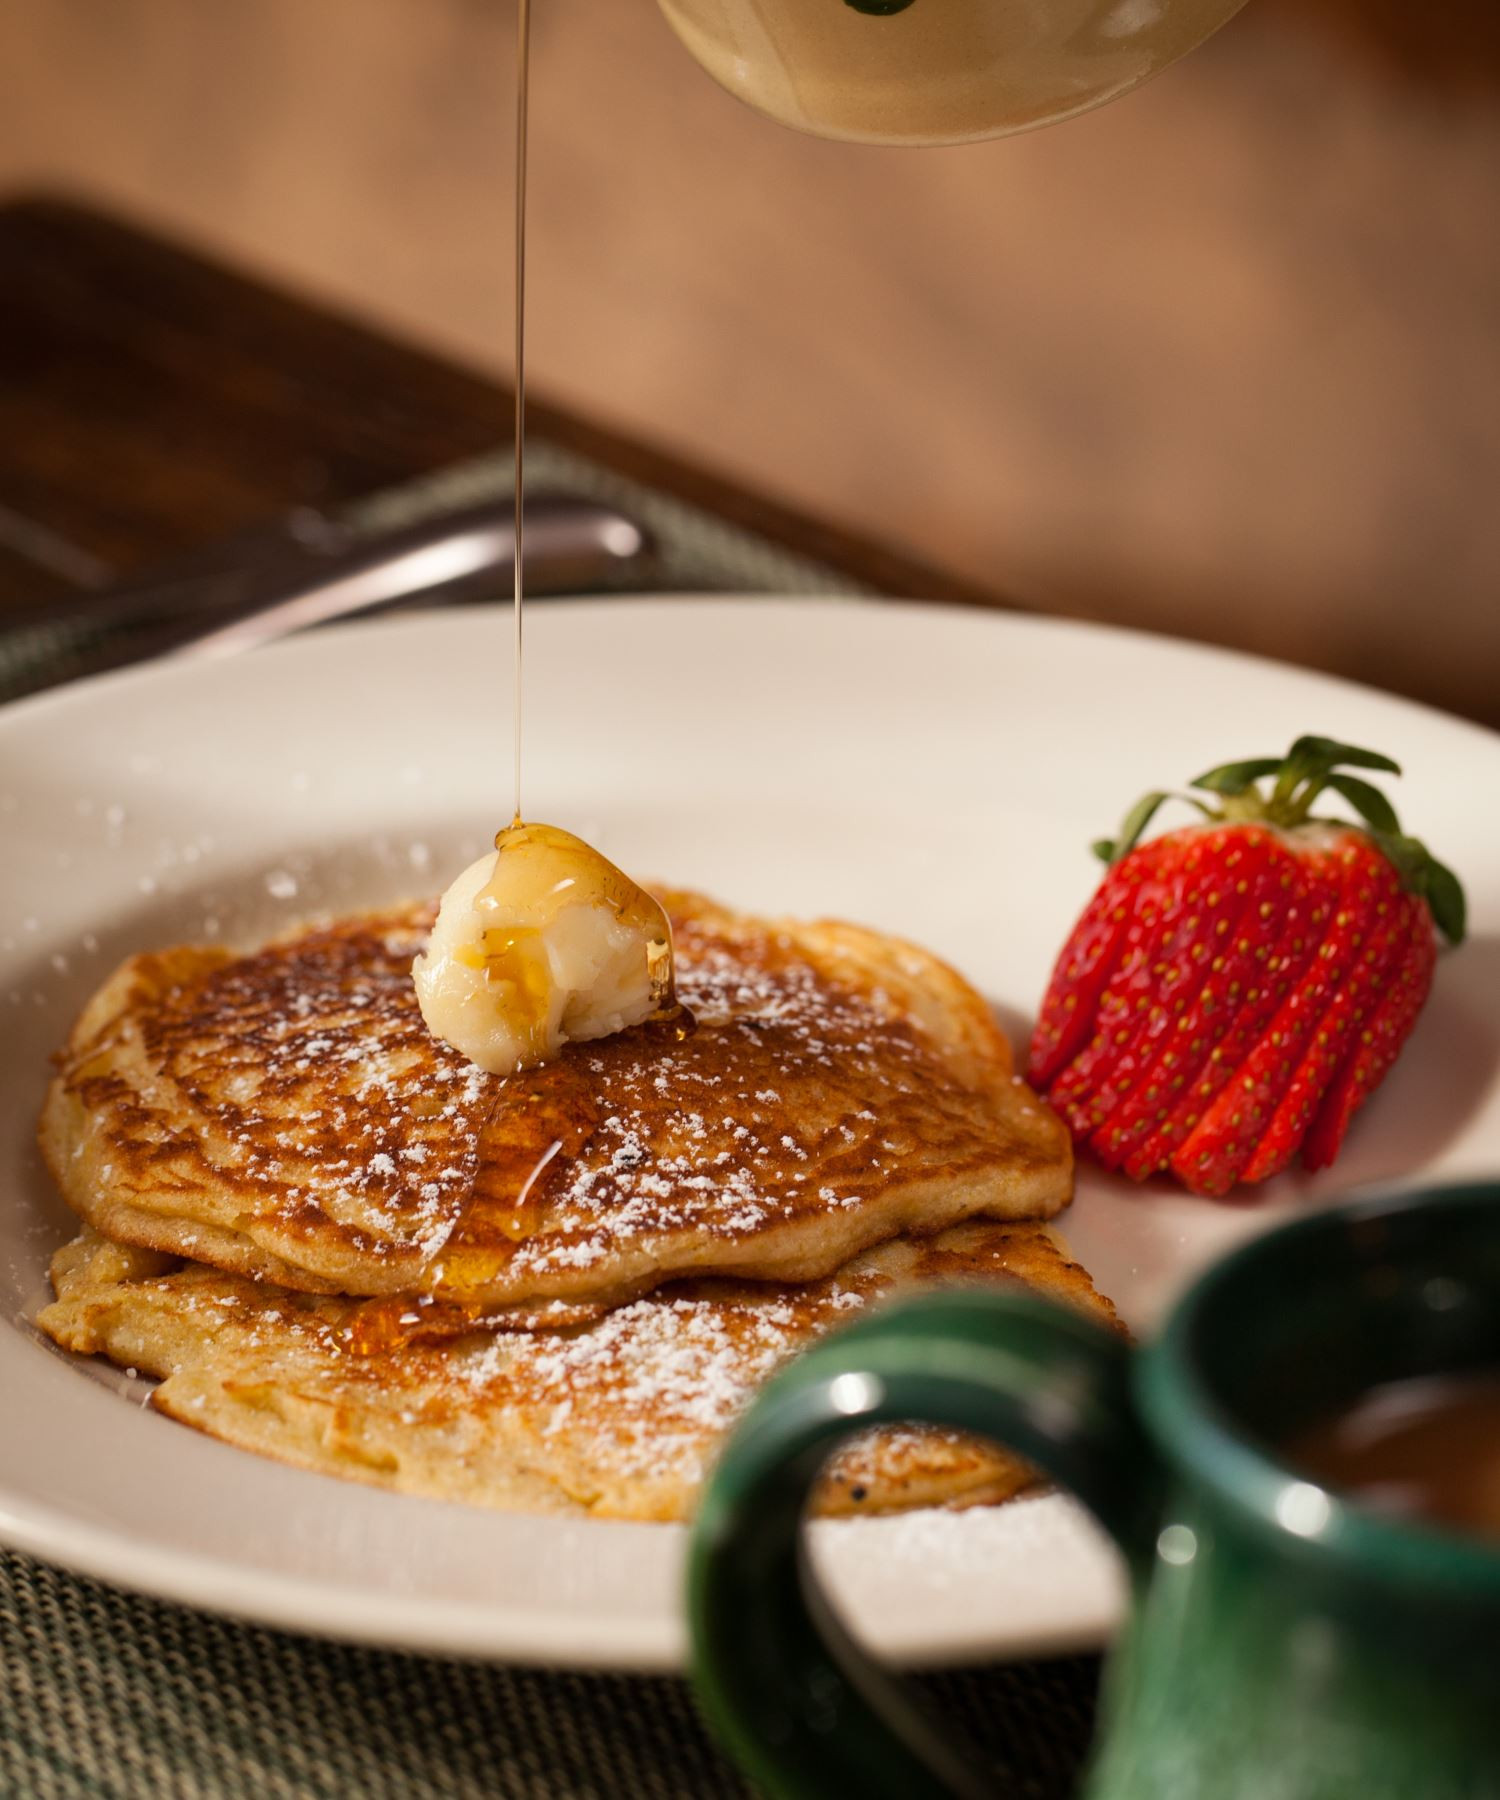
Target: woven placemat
x,y
696,551
104,1693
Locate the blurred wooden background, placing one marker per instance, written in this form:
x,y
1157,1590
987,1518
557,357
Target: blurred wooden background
x,y
1223,358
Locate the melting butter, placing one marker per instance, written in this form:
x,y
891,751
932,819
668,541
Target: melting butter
x,y
543,942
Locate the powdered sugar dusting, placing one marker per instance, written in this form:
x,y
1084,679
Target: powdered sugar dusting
x,y
319,1089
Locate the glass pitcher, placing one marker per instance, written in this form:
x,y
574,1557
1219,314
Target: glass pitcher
x,y
936,71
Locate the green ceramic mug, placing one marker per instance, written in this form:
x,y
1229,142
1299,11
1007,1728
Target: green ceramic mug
x,y
1281,1644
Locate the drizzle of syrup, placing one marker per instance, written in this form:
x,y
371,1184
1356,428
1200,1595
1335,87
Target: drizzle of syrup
x,y
523,88
539,868
525,1149
393,1322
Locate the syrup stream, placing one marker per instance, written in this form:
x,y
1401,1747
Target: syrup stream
x,y
523,72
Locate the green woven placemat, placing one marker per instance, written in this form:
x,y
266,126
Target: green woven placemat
x,y
103,1693
107,1694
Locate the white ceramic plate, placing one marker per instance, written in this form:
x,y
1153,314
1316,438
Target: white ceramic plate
x,y
938,773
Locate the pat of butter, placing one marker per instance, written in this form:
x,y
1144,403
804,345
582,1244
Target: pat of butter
x,y
541,943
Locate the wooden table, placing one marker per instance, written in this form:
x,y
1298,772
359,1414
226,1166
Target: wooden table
x,y
151,402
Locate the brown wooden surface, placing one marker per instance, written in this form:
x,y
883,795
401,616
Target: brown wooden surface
x,y
151,402
1219,360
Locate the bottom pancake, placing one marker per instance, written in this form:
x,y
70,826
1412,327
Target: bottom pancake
x,y
619,1417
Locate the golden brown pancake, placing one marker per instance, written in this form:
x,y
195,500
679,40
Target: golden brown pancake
x,y
616,1419
286,1114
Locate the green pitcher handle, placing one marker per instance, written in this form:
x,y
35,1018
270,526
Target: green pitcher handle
x,y
802,1707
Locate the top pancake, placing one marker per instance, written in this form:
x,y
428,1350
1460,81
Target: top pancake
x,y
287,1114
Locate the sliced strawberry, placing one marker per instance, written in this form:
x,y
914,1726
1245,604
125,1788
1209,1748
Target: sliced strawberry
x,y
1087,961
1265,977
1216,1153
1377,899
1380,1042
1233,964
1220,871
1236,988
1127,994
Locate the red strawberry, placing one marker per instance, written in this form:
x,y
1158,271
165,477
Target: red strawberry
x,y
1250,974
1237,990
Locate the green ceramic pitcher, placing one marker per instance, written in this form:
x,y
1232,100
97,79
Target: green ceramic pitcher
x,y
1281,1643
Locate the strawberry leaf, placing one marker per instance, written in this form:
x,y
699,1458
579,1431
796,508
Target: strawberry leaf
x,y
1423,874
1135,822
1312,752
1235,777
1371,805
1445,896
1309,768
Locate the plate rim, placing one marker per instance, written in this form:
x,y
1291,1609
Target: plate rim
x,y
395,619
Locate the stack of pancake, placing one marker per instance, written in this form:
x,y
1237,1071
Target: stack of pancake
x,y
336,1242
